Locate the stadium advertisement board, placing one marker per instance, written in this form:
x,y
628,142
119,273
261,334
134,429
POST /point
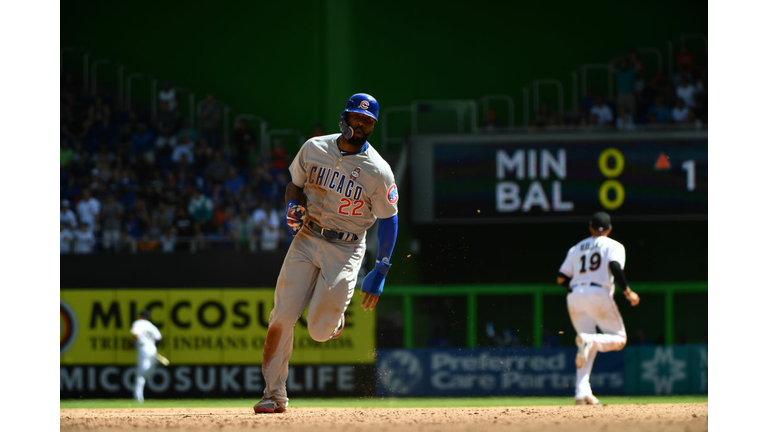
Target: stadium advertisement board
x,y
538,372
214,339
199,327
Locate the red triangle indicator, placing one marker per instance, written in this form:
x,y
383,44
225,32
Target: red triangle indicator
x,y
662,163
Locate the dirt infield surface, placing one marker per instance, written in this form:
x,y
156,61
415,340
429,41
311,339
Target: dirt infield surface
x,y
627,418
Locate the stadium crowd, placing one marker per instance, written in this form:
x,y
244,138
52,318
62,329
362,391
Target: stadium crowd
x,y
131,183
661,101
128,183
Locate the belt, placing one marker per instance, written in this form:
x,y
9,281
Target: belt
x,y
594,284
331,234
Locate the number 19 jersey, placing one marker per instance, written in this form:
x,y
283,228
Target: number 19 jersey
x,y
587,262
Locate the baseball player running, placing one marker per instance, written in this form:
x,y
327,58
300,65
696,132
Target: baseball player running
x,y
589,272
145,335
340,186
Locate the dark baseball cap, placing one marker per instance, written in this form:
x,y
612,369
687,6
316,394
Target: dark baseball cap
x,y
144,314
600,221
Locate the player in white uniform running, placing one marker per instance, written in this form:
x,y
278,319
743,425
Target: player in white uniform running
x,y
340,186
589,272
145,336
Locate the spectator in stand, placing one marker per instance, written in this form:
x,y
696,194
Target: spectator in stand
x,y
268,221
210,120
112,213
624,120
203,156
168,95
97,113
184,227
589,100
184,147
263,181
244,231
626,73
602,112
65,154
88,211
685,60
143,144
168,240
84,240
189,130
200,209
543,117
234,182
218,169
317,130
680,113
660,111
167,125
132,226
279,156
66,238
687,92
490,124
67,216
243,138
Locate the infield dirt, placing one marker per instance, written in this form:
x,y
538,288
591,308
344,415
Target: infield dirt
x,y
627,418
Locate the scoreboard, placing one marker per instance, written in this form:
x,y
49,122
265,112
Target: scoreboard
x,y
559,177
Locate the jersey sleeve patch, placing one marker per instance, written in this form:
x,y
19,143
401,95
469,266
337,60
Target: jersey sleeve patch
x,y
392,194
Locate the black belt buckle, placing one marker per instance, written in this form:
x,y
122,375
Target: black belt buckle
x,y
330,235
595,284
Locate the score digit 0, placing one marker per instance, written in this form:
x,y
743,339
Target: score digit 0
x,y
608,185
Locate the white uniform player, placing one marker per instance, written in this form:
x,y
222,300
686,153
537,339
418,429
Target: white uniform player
x,y
589,272
145,335
340,187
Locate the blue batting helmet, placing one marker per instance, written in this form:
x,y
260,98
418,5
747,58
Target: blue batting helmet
x,y
360,103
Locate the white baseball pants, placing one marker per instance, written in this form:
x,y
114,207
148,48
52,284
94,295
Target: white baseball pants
x,y
317,273
145,365
591,307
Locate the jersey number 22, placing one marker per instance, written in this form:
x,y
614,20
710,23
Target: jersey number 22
x,y
346,203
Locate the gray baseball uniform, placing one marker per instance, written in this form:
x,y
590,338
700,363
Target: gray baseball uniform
x,y
346,193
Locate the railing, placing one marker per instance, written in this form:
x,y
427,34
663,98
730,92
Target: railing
x,y
537,83
601,66
384,119
191,102
94,75
538,291
655,52
129,90
451,105
266,146
86,54
262,125
485,102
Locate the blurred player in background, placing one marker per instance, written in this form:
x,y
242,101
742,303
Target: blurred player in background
x,y
340,186
589,272
145,336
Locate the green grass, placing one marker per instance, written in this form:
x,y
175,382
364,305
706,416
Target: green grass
x,y
374,402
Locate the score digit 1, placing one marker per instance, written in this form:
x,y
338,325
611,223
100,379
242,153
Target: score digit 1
x,y
690,167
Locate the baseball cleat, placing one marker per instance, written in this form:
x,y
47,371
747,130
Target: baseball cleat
x,y
268,406
583,352
337,332
587,400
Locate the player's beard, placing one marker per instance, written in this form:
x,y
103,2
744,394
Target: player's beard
x,y
359,141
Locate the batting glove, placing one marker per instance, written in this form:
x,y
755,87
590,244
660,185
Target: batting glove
x,y
295,216
373,283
